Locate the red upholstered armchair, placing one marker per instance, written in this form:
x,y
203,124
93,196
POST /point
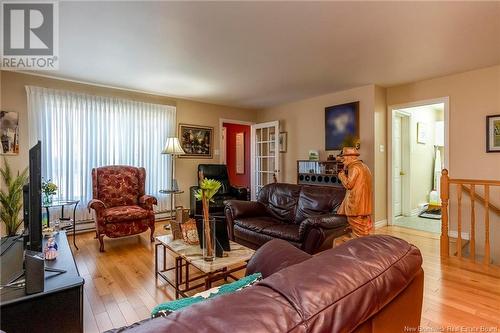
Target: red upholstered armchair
x,y
122,208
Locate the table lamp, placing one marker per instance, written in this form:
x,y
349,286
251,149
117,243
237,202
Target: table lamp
x,y
172,147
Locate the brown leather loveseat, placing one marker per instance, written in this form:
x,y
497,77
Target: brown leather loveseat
x,y
372,284
302,215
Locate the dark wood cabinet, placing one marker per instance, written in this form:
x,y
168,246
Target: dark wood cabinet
x,y
59,308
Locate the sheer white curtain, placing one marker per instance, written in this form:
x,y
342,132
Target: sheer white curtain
x,y
80,132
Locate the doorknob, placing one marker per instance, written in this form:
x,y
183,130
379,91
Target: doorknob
x,y
402,173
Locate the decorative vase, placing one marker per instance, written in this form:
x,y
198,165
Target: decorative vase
x,y
208,239
47,199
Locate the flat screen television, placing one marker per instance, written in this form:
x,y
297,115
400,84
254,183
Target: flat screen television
x,y
32,201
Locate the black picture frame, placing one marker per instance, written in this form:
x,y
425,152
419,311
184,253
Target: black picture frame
x,y
196,141
493,133
349,114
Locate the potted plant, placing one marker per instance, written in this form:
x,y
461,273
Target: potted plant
x,y
11,199
207,189
351,141
49,189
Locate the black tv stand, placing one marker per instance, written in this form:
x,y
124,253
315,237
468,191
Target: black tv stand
x,y
59,308
55,270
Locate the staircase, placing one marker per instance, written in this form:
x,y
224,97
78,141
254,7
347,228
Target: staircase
x,y
472,188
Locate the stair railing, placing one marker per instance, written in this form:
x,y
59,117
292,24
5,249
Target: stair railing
x,y
470,187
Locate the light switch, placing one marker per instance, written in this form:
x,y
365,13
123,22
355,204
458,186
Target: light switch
x,y
381,148
216,152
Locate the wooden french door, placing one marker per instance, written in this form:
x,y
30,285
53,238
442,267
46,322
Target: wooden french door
x,y
265,156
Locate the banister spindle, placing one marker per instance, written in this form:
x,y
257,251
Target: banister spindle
x,y
472,235
486,224
459,220
444,212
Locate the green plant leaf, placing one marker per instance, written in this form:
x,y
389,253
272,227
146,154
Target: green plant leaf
x,y
11,199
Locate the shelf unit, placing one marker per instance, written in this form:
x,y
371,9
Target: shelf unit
x,y
321,173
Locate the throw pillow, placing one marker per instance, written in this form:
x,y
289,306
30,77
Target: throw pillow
x,y
167,308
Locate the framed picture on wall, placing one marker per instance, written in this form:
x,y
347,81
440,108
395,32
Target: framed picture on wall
x,y
493,134
196,141
282,142
341,124
9,133
240,153
422,132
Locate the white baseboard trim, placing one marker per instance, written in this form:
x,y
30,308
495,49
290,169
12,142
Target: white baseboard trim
x,y
415,212
380,224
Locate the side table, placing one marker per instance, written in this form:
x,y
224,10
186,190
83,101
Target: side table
x,y
172,194
62,204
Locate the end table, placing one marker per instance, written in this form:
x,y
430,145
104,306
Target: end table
x,y
62,204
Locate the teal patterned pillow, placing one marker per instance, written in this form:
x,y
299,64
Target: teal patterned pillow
x,y
167,308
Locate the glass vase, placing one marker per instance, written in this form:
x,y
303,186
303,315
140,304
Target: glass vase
x,y
47,199
208,239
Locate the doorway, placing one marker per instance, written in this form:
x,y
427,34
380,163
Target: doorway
x,y
265,156
418,152
235,151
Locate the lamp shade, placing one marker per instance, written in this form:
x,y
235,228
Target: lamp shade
x,y
172,147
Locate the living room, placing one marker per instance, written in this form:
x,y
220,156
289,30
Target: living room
x,y
154,85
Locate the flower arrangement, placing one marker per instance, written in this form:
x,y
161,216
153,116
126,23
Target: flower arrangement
x,y
208,188
48,189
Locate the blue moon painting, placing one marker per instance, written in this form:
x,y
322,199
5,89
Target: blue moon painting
x,y
341,121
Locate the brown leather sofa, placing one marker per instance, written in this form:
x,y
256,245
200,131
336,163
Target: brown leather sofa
x,y
302,215
372,284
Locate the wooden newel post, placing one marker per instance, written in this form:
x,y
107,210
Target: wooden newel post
x,y
445,196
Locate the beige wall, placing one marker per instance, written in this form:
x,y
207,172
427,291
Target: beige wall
x,y
472,96
380,154
305,123
13,98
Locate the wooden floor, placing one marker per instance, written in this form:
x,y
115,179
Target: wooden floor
x,y
120,287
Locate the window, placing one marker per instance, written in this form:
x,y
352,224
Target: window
x,y
80,132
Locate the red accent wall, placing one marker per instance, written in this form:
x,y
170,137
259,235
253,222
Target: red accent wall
x,y
231,131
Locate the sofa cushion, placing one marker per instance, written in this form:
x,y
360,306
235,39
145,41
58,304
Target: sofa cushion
x,y
314,201
256,224
280,200
284,231
125,214
274,256
254,239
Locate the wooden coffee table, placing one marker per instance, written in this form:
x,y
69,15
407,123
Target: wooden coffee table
x,y
186,255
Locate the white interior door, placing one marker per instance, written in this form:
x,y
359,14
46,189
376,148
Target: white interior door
x,y
265,156
397,166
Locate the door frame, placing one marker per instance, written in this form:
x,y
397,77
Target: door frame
x,y
405,160
277,163
223,121
391,109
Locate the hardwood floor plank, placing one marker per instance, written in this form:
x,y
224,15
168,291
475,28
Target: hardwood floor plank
x,y
128,312
103,322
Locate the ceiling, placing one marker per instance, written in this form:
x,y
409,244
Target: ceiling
x,y
260,54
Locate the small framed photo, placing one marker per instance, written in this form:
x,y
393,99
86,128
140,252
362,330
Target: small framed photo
x,y
493,134
9,133
422,132
282,142
196,141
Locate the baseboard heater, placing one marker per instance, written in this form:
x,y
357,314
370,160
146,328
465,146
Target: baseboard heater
x,y
89,225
